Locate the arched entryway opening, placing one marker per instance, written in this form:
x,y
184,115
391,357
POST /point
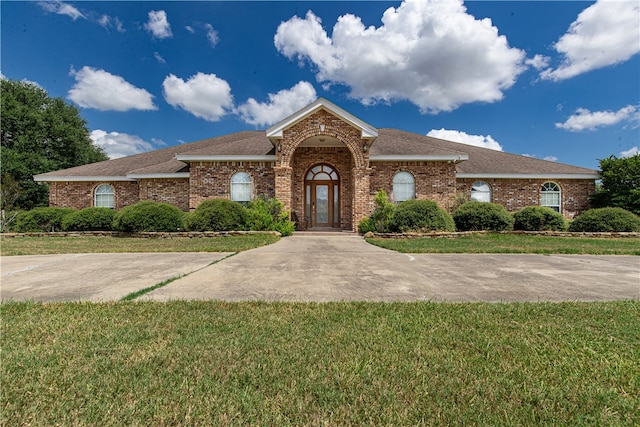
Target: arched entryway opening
x,y
322,197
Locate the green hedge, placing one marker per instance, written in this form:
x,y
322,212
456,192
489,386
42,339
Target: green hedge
x,y
539,218
89,219
476,216
606,220
41,220
218,215
421,216
266,214
149,216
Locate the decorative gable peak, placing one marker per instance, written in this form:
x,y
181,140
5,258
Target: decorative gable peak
x,y
276,131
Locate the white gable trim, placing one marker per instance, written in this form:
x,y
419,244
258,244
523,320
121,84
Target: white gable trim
x,y
529,175
40,178
225,158
366,130
418,157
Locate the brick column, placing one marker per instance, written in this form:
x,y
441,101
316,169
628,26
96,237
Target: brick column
x,y
283,178
362,201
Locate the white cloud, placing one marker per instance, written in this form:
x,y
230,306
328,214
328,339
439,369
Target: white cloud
x,y
203,95
61,8
605,33
431,53
280,105
117,144
104,91
550,158
212,35
584,119
107,22
159,58
190,29
465,138
538,62
158,25
633,151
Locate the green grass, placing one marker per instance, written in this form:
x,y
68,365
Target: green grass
x,y
66,245
516,244
337,364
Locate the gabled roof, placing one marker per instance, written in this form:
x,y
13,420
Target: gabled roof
x,y
366,130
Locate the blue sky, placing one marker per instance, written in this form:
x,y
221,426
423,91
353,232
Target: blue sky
x,y
554,80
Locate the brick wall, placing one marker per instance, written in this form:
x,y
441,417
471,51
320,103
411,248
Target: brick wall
x,y
434,180
79,195
209,180
172,191
515,194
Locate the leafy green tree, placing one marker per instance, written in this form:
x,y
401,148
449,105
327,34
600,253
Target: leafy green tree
x,y
620,184
38,134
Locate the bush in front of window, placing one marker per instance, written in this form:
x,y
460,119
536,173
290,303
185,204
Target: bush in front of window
x,y
89,219
381,218
539,218
366,225
218,215
478,216
422,216
266,214
606,220
149,216
41,220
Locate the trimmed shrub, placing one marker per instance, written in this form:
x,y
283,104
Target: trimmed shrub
x,y
539,218
381,219
366,225
89,219
605,220
149,216
218,215
422,216
476,216
265,214
41,220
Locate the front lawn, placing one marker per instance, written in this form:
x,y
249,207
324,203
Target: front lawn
x,y
337,364
513,244
70,245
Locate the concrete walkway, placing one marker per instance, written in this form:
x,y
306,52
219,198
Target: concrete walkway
x,y
335,267
346,268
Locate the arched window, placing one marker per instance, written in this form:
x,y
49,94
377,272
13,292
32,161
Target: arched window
x,y
550,196
104,196
404,187
481,192
241,187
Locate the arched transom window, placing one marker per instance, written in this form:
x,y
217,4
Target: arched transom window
x,y
481,192
241,190
322,173
550,196
104,196
404,187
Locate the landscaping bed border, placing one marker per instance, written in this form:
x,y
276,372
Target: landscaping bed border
x,y
142,234
456,234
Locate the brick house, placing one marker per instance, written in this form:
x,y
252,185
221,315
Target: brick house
x,y
324,165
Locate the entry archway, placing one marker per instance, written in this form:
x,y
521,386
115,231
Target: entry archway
x,y
322,197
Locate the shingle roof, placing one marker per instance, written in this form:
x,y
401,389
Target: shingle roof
x,y
256,143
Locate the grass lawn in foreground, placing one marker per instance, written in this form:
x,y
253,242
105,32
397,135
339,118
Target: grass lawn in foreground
x,y
66,245
337,364
513,243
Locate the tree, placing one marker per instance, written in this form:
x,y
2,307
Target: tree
x,y
620,184
38,134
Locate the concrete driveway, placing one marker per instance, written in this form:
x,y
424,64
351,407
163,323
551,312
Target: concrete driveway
x,y
335,267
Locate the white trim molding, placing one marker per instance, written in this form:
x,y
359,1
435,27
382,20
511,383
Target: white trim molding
x,y
158,175
528,175
58,178
418,157
225,158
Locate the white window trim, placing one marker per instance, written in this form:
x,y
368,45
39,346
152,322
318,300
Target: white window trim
x,y
478,192
404,186
544,192
104,195
242,187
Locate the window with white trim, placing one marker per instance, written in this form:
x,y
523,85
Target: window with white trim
x,y
104,196
550,196
404,187
241,187
481,192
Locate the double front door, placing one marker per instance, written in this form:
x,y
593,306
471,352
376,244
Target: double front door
x,y
322,197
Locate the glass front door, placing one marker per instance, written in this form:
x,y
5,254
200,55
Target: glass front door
x,y
322,205
322,197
